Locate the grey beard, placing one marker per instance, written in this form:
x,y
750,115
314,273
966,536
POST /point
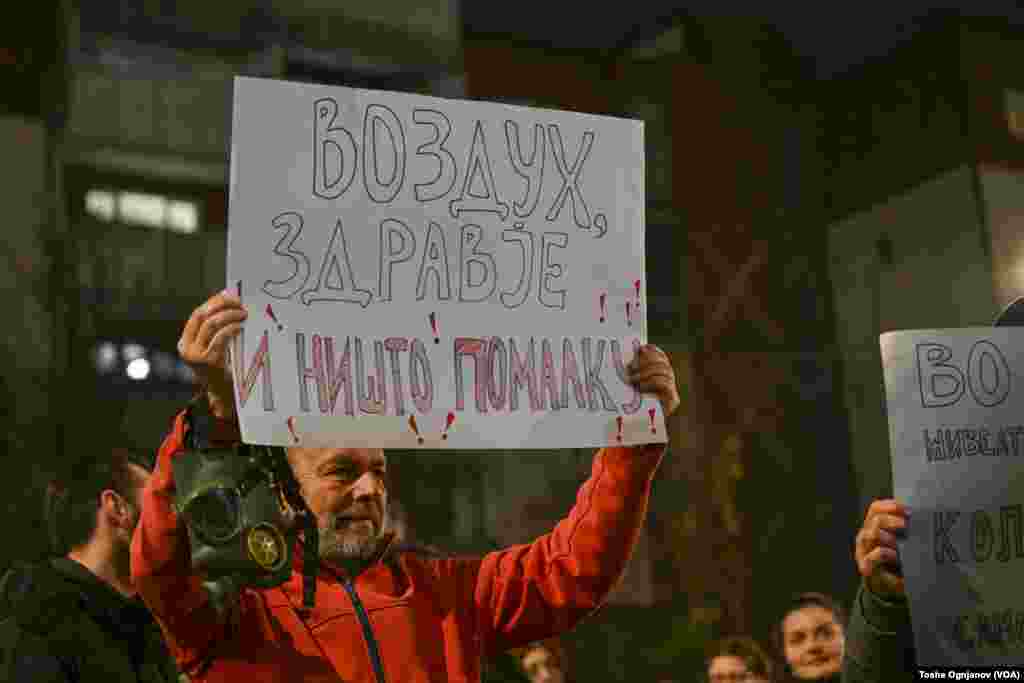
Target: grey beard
x,y
344,547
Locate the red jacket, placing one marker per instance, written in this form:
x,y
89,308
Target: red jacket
x,y
418,619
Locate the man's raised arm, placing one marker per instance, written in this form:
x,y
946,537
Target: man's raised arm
x,y
533,591
161,562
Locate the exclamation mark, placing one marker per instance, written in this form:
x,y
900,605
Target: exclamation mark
x,y
239,289
415,429
291,428
601,301
270,312
650,414
433,326
629,317
618,420
636,288
451,419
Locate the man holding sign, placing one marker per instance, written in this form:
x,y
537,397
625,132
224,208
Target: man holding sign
x,y
381,615
956,446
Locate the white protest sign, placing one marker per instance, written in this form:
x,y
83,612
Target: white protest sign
x,y
430,273
956,419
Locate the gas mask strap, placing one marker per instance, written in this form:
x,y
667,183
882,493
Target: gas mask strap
x,y
200,424
310,561
289,488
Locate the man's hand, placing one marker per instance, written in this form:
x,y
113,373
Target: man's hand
x,y
650,372
204,343
875,551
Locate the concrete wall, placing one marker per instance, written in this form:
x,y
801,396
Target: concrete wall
x,y
27,339
939,275
1002,190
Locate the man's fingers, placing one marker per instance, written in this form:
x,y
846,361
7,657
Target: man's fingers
x,y
214,324
889,522
646,355
659,385
650,374
871,538
885,538
220,301
652,350
221,339
213,305
860,542
881,555
188,334
886,506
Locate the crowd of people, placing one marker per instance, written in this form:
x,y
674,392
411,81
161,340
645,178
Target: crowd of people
x,y
807,644
121,600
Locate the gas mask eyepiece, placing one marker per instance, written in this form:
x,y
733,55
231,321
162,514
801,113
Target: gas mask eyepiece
x,y
214,514
234,504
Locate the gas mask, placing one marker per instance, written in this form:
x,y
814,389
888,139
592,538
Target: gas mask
x,y
235,504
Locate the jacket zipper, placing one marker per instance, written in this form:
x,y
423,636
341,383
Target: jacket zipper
x,y
364,621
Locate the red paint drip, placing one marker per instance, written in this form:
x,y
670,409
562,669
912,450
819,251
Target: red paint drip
x,y
448,425
629,318
601,300
618,420
651,413
636,287
270,312
433,326
291,428
415,429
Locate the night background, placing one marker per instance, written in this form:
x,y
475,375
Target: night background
x,y
816,175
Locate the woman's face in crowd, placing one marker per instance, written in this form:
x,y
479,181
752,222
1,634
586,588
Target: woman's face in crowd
x,y
541,667
813,642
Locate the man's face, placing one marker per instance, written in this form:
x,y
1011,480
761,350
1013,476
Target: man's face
x,y
122,526
541,667
345,489
813,642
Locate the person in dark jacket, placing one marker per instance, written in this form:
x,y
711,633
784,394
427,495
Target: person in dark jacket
x,y
881,635
76,617
881,643
810,638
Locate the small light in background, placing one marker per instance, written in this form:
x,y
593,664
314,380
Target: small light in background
x,y
150,210
106,357
182,217
138,369
100,204
143,209
132,352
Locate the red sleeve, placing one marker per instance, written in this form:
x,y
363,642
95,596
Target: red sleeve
x,y
161,559
534,591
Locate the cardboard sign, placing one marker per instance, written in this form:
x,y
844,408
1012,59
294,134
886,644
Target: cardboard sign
x,y
435,273
956,417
